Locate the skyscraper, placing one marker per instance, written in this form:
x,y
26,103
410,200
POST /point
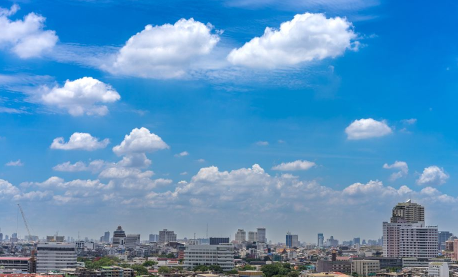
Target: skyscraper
x,y
252,236
443,237
240,236
167,236
407,236
119,237
262,235
292,240
153,237
106,236
320,243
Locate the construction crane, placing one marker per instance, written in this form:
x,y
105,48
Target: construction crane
x,y
25,222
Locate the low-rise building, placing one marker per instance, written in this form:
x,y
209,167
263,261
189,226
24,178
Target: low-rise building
x,y
222,255
438,269
365,268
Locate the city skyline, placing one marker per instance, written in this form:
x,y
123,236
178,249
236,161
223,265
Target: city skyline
x,y
165,115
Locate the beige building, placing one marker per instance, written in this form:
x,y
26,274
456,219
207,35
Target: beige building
x,y
365,268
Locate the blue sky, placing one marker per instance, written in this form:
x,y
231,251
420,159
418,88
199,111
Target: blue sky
x,y
348,105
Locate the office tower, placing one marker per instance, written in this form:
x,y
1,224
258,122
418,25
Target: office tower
x,y
240,236
252,236
262,235
216,241
292,240
1,237
132,240
167,236
443,237
106,237
406,236
408,212
221,255
320,243
153,237
119,237
357,241
55,256
331,242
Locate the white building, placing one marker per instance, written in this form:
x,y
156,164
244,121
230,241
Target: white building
x,y
262,235
438,269
132,240
240,236
167,236
252,236
55,256
365,267
222,255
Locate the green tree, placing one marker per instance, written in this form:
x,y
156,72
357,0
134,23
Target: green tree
x,y
141,270
216,268
171,256
164,270
201,268
233,271
149,263
247,267
270,270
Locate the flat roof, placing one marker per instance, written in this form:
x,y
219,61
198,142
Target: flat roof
x,y
14,258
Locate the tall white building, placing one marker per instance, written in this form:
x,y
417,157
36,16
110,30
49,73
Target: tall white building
x,y
222,255
240,236
132,240
438,269
407,236
55,256
262,235
252,236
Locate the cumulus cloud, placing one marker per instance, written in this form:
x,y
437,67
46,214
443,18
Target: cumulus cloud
x,y
140,141
85,96
182,154
410,121
401,167
124,172
79,141
294,166
27,37
165,51
15,163
432,175
7,189
367,128
262,143
305,38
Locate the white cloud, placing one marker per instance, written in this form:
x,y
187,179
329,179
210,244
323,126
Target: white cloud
x,y
294,166
165,51
124,172
15,163
34,195
402,167
82,96
182,154
410,121
79,141
200,160
69,167
12,110
262,143
7,189
306,38
140,141
432,175
27,37
367,128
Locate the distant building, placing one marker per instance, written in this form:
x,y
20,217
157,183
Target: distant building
x,y
216,241
438,269
55,256
221,255
19,263
292,240
240,236
443,236
365,268
55,238
262,237
167,236
320,243
408,212
252,236
132,240
333,266
106,237
357,241
153,238
119,237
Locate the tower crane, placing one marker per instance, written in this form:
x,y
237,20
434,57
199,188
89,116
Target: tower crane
x,y
25,222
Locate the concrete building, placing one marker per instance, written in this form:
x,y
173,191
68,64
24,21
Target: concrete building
x,y
262,236
443,237
438,269
55,256
240,236
21,264
217,241
320,243
455,250
132,240
408,212
167,236
292,240
119,237
252,236
116,271
106,237
222,255
334,266
153,238
365,268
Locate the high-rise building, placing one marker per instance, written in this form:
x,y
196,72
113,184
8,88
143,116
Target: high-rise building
x,y
221,255
119,237
55,256
262,235
406,236
132,240
106,237
167,236
455,249
1,237
153,237
443,237
217,241
408,212
292,240
252,236
357,241
320,243
240,236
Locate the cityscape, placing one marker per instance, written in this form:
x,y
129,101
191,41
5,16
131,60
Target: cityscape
x,y
228,138
407,248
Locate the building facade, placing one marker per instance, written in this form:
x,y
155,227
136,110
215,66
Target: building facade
x,y
240,236
438,269
167,236
292,240
365,268
119,237
55,256
222,255
262,235
217,241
